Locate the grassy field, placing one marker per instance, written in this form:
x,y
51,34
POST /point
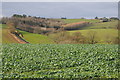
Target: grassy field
x,y
78,20
30,37
36,38
103,30
101,34
96,24
6,35
60,61
103,25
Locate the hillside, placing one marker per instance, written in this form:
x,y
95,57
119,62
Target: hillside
x,y
7,37
94,23
36,38
101,35
33,24
103,25
76,25
49,31
79,20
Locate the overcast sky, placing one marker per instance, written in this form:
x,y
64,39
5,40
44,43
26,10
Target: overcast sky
x,y
61,9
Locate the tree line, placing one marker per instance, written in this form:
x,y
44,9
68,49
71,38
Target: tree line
x,y
33,24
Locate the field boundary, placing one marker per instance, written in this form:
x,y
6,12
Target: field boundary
x,y
18,39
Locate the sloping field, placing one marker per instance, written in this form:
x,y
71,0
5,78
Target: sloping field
x,y
75,26
36,38
103,25
6,35
79,20
101,34
95,24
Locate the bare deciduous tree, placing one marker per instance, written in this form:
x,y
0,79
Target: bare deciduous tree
x,y
91,37
78,38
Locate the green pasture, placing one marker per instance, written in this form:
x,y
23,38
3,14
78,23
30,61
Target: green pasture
x,y
100,34
36,38
103,25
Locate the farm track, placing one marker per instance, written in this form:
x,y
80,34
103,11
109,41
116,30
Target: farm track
x,y
17,39
8,37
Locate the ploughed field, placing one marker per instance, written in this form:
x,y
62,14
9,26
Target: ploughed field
x,y
60,61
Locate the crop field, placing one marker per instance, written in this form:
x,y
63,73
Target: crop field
x,y
60,61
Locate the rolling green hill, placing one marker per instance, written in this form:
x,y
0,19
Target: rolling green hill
x,y
101,34
30,37
103,25
104,30
36,38
95,24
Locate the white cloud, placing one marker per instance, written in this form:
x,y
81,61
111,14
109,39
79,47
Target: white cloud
x,y
60,0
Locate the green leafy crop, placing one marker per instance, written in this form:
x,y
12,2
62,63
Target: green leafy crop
x,y
60,61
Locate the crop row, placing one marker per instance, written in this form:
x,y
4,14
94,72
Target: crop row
x,y
59,61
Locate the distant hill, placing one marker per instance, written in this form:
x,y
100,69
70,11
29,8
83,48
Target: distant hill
x,y
49,31
79,20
